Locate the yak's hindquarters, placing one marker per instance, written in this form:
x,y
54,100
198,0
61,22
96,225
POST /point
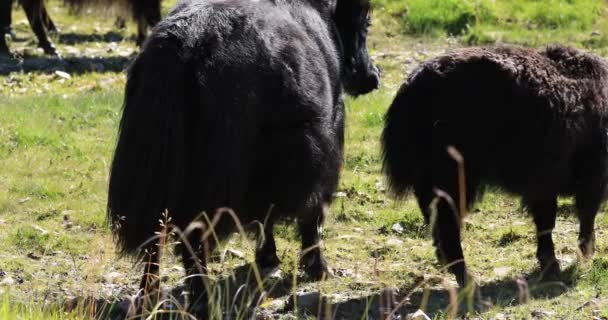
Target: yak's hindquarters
x,y
175,152
415,158
147,171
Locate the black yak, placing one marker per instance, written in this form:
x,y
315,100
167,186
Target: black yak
x,y
237,104
530,122
147,13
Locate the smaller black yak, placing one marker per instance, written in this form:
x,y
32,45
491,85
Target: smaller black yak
x,y
530,122
147,13
237,104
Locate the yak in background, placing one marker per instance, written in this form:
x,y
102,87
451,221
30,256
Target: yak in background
x,y
147,13
530,122
237,104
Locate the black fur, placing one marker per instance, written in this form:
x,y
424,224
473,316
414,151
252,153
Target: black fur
x,y
237,104
530,122
145,12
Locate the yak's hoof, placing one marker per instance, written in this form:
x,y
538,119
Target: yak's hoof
x,y
315,267
549,270
466,281
199,311
459,270
52,29
267,261
50,50
587,248
140,41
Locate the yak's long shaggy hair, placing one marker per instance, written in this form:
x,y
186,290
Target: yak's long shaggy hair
x,y
239,104
530,122
218,113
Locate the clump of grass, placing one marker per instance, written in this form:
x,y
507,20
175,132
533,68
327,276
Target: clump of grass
x,y
9,310
488,21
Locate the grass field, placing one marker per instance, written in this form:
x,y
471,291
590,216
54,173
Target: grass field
x,y
532,23
57,134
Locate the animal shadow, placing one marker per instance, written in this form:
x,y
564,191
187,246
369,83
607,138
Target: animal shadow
x,y
72,38
233,295
72,65
434,301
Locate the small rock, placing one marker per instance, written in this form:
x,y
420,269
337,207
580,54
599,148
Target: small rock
x,y
63,74
418,315
394,242
397,228
499,316
274,274
357,229
8,281
234,254
44,232
177,268
112,277
24,200
340,194
542,314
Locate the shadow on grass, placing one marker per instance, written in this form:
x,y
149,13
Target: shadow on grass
x,y
71,65
237,295
72,38
436,301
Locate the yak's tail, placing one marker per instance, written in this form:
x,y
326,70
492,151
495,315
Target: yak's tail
x,y
406,139
176,150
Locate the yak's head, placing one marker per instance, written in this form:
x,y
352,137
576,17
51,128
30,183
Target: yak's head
x,y
353,19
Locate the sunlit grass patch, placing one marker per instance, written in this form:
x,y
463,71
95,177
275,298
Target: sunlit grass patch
x,y
526,22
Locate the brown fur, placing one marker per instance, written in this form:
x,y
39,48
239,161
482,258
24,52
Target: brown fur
x,y
531,122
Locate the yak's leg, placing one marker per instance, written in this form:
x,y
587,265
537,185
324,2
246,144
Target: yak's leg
x,y
120,23
544,213
142,31
587,208
33,11
194,257
446,237
424,196
309,224
147,17
447,221
5,24
266,252
46,19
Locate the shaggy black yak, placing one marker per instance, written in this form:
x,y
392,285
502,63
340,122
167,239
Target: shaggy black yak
x,y
145,12
530,122
237,104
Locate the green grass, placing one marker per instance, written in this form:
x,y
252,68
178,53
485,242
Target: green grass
x,y
57,137
528,22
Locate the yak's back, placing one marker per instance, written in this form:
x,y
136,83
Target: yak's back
x,y
564,80
260,52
